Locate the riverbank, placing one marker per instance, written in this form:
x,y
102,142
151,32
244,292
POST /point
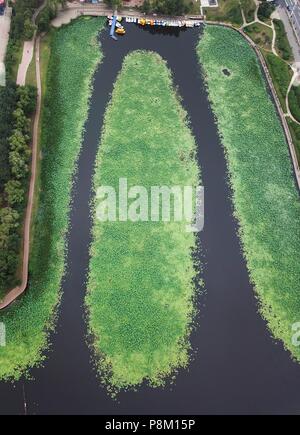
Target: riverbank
x,y
265,197
33,315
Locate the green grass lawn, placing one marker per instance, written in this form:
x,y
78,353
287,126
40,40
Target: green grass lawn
x,y
64,112
294,102
260,34
140,287
282,45
228,11
295,132
281,75
31,74
265,197
248,7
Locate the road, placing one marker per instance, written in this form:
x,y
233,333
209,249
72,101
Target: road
x,y
293,11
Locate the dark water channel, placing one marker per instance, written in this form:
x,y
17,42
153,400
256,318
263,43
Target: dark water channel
x,y
237,368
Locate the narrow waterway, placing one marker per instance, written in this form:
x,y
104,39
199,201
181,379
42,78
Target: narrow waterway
x,y
237,367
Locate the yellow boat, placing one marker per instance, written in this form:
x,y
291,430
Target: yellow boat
x,y
120,31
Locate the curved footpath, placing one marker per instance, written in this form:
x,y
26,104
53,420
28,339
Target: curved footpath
x,y
17,291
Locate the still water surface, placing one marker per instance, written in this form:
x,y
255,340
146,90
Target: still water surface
x,y
237,367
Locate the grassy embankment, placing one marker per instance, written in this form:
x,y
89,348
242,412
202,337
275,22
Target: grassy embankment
x,y
74,57
260,34
282,45
294,102
228,11
281,75
140,284
295,132
264,193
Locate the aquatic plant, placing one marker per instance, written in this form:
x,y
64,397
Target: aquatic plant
x,y
140,288
265,197
75,55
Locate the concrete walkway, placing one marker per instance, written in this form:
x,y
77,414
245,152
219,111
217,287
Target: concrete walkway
x,y
4,36
28,50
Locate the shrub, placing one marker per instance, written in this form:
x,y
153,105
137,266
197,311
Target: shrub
x,y
294,102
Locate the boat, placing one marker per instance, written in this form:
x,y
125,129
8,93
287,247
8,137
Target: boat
x,y
120,31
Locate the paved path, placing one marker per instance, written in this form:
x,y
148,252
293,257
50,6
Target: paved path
x,y
13,294
28,50
4,36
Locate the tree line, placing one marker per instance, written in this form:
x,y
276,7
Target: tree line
x,y
168,7
17,104
165,7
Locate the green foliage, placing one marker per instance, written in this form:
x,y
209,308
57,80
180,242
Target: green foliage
x,y
282,43
9,243
75,55
168,7
265,197
140,285
14,192
228,11
248,7
15,145
8,104
295,132
22,28
47,14
281,75
260,34
265,10
114,3
294,102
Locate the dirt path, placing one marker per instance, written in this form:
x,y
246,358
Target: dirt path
x,y
17,291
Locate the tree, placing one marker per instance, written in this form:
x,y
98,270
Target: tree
x,y
22,123
29,29
8,223
167,7
14,192
146,7
265,10
27,99
114,3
